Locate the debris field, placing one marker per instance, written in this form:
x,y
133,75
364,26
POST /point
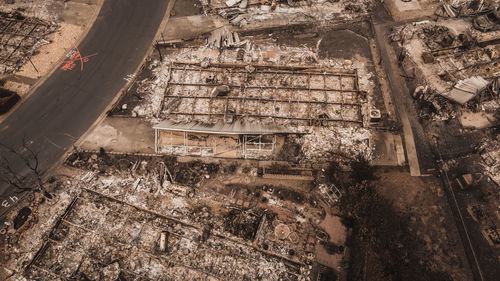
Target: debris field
x,y
20,37
262,168
113,227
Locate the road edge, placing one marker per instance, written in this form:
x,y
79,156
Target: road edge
x,y
46,76
50,171
104,114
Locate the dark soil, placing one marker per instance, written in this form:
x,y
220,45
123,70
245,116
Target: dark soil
x,y
7,100
382,243
344,44
362,171
290,151
243,224
22,217
327,274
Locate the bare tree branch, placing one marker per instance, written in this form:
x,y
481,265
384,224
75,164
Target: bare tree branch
x,y
14,178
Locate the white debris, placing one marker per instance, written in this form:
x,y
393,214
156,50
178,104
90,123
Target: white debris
x,y
223,37
265,8
129,77
332,143
154,93
231,3
178,203
43,9
272,13
491,158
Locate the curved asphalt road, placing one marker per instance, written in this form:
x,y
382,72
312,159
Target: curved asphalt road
x,y
67,104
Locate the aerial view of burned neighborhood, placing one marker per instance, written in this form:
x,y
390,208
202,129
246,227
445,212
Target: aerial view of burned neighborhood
x,y
242,140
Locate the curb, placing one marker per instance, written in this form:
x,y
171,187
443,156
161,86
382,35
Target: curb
x,y
44,78
119,94
57,164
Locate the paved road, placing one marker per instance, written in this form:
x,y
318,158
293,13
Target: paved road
x,y
67,104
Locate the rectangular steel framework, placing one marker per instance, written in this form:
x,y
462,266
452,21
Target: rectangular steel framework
x,y
188,83
251,146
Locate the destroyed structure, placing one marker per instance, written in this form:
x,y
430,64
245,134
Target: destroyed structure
x,y
256,14
242,102
453,65
248,136
253,106
142,222
20,37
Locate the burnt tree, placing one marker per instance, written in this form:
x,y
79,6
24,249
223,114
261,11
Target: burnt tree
x,y
31,181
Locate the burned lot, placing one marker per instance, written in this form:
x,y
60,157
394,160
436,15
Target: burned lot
x,y
112,229
20,39
263,145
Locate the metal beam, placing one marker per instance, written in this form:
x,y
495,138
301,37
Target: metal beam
x,y
268,116
262,100
268,72
263,87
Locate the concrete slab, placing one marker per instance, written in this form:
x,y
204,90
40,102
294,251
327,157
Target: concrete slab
x,y
478,120
191,26
398,88
414,9
388,149
124,135
407,6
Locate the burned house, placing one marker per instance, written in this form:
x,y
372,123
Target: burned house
x,y
244,110
20,37
229,140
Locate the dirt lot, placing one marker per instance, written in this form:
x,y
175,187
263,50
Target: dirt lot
x,y
403,229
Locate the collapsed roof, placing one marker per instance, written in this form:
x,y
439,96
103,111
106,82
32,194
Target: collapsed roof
x,y
466,89
234,128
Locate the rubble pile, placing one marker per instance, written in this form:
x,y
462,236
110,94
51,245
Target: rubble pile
x,y
153,93
452,66
134,221
343,144
202,61
18,247
433,105
31,8
490,154
259,82
464,8
20,38
223,37
271,12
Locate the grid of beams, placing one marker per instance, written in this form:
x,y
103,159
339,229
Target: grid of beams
x,y
116,224
18,39
263,92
